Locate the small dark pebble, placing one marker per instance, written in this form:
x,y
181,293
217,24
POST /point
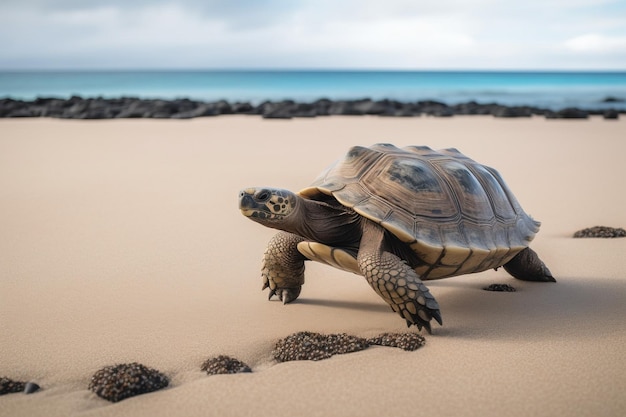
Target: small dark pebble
x,y
115,383
316,346
8,386
224,365
406,341
500,287
601,231
611,99
31,387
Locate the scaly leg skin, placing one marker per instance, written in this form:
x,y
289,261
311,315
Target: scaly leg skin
x,y
395,281
527,266
282,269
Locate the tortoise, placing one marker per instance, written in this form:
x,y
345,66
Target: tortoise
x,y
397,216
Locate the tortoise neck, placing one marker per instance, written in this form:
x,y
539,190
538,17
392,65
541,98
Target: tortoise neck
x,y
328,224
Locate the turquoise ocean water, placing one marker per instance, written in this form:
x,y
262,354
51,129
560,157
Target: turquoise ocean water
x,y
545,89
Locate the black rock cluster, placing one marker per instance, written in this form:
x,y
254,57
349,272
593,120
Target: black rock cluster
x,y
316,346
500,288
118,382
131,107
223,364
601,231
404,341
9,386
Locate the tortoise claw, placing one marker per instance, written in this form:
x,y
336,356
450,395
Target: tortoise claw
x,y
420,326
427,326
422,316
287,295
437,316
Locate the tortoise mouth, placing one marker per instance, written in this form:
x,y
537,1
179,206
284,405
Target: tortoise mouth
x,y
260,215
247,212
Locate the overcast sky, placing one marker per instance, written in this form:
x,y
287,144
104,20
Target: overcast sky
x,y
248,34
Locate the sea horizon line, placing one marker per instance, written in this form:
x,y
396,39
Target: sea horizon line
x,y
344,70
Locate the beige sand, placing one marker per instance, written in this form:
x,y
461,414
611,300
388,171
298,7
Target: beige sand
x,y
121,241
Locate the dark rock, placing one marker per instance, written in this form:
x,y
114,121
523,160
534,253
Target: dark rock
x,y
163,109
316,346
368,106
243,108
223,107
118,382
601,231
182,115
405,341
500,288
201,110
278,110
435,108
82,109
7,106
132,107
431,103
24,112
444,112
304,110
340,108
224,365
572,113
9,386
135,109
539,111
210,109
288,109
472,108
398,109
405,111
322,107
611,99
505,111
347,108
31,387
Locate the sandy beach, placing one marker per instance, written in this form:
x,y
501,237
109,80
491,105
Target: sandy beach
x,y
121,241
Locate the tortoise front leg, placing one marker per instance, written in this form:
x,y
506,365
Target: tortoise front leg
x,y
282,269
395,281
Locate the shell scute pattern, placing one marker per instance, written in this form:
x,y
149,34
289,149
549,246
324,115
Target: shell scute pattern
x,y
400,180
498,198
469,196
458,216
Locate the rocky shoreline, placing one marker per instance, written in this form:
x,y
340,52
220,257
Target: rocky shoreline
x,y
130,107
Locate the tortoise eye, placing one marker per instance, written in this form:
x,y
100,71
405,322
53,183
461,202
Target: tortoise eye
x,y
263,196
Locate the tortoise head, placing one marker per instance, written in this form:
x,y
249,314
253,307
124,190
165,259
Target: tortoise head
x,y
268,206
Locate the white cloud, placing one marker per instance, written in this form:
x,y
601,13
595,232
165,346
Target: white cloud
x,y
595,43
320,33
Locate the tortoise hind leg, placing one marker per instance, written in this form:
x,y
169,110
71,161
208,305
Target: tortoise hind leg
x,y
527,266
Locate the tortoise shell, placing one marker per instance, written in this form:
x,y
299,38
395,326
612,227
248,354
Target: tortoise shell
x,y
457,215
